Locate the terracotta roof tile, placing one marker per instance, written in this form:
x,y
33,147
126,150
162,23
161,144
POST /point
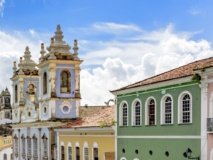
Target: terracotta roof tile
x,y
179,72
105,115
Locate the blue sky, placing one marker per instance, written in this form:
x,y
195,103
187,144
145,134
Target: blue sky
x,y
120,41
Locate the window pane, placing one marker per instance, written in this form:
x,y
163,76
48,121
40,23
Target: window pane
x,y
186,109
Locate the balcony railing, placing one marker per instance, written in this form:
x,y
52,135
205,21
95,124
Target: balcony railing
x,y
210,125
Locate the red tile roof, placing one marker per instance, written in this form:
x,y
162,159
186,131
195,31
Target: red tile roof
x,y
183,71
104,117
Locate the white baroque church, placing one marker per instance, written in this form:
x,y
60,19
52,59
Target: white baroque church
x,y
44,95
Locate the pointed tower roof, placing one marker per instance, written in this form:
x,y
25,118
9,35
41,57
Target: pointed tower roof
x,y
58,46
27,63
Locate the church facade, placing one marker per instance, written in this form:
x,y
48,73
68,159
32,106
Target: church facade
x,y
44,95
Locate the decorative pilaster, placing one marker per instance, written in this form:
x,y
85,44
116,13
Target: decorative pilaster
x,y
204,106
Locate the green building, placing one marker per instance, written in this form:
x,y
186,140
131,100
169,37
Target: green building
x,y
160,118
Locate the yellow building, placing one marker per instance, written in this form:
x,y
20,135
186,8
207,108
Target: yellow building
x,y
88,138
5,147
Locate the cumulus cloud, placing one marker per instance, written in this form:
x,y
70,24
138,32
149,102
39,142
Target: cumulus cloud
x,y
143,56
111,64
2,7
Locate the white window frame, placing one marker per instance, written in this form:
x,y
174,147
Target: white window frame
x,y
147,110
86,146
133,112
121,113
163,99
68,153
95,145
180,105
77,145
62,145
123,158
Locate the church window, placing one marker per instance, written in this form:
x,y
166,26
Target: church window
x,y
35,146
16,93
16,145
29,146
45,147
45,83
65,81
5,156
23,145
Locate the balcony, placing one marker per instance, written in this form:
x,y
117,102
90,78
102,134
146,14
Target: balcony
x,y
210,125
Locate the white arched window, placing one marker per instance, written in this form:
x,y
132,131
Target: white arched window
x,y
123,114
69,151
62,151
150,111
136,113
185,108
77,151
95,151
167,110
86,151
45,83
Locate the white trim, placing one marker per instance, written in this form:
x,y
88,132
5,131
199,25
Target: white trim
x,y
211,105
147,110
65,103
162,118
180,105
86,129
161,137
123,158
133,112
121,113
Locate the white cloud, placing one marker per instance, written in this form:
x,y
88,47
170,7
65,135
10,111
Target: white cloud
x,y
33,33
196,11
126,62
2,7
111,64
110,27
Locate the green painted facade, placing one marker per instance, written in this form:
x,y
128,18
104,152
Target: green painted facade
x,y
175,146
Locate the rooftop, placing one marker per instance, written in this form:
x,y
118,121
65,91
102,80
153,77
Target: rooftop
x,y
180,72
103,117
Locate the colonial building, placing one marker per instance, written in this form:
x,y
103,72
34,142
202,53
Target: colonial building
x,y
44,94
165,116
90,137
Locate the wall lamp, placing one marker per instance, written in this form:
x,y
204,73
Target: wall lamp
x,y
188,153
